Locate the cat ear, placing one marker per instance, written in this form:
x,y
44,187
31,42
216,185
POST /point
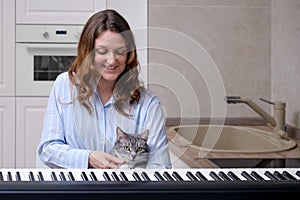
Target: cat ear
x,y
145,135
120,133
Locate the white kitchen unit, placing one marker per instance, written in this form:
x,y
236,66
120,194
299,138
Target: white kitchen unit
x,y
7,48
7,132
29,119
56,11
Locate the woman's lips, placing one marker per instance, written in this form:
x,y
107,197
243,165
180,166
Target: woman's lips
x,y
109,67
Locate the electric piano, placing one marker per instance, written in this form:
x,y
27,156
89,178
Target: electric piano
x,y
196,183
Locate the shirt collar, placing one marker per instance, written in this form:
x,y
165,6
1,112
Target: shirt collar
x,y
109,102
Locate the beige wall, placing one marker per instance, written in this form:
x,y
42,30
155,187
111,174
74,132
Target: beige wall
x,y
253,44
286,57
235,34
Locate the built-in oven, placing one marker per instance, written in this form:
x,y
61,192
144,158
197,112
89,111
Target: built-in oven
x,y
43,52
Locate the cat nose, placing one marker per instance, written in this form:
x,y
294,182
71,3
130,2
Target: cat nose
x,y
133,155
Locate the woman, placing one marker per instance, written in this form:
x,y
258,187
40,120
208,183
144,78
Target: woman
x,y
99,93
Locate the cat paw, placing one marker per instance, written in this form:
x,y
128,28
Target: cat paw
x,y
124,166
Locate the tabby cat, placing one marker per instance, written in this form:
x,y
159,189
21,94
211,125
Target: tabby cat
x,y
133,148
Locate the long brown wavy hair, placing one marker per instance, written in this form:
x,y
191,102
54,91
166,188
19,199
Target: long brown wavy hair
x,y
84,76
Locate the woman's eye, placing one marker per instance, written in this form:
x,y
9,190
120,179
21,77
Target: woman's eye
x,y
101,51
121,52
126,148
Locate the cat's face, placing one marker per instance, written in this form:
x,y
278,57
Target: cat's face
x,y
132,147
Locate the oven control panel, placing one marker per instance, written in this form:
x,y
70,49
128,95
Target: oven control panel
x,y
48,33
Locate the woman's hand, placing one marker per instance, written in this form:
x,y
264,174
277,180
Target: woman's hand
x,y
99,159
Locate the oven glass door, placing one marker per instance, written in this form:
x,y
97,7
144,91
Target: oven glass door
x,y
47,68
38,65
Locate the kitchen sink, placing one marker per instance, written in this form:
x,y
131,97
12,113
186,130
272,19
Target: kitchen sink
x,y
231,139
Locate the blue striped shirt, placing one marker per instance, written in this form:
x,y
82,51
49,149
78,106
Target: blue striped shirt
x,y
70,133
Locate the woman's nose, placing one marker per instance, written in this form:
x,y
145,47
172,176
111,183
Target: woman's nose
x,y
111,58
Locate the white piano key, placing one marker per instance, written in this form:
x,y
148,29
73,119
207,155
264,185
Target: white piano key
x,y
238,172
27,174
46,174
150,173
98,173
205,173
129,174
77,173
182,173
261,172
293,172
5,174
58,173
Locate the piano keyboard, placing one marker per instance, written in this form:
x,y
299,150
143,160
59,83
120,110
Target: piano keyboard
x,y
91,184
167,175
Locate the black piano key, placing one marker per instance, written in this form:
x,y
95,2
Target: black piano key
x,y
233,176
31,176
271,176
247,176
298,173
62,176
288,176
106,176
279,176
191,176
224,176
40,176
1,177
18,176
84,176
159,176
115,176
145,176
168,176
123,176
201,176
9,177
53,176
257,176
93,176
215,176
136,176
71,176
177,176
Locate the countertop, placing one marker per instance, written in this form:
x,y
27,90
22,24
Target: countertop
x,y
186,156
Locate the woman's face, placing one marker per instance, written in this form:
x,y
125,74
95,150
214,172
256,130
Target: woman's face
x,y
110,55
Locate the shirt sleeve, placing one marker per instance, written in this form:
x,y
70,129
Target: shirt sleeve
x,y
53,149
157,141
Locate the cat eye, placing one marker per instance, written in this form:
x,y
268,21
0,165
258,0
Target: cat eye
x,y
126,148
140,149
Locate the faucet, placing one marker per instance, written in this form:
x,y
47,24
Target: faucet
x,y
277,121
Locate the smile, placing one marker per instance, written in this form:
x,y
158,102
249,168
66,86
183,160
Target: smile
x,y
109,67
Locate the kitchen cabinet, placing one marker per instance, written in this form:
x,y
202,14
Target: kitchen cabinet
x,y
7,84
56,11
29,119
7,132
7,50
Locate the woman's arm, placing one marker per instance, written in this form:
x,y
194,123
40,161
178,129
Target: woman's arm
x,y
53,149
158,141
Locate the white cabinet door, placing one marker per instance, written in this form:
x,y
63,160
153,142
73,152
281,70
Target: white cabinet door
x,y
29,119
136,13
7,132
56,11
7,48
